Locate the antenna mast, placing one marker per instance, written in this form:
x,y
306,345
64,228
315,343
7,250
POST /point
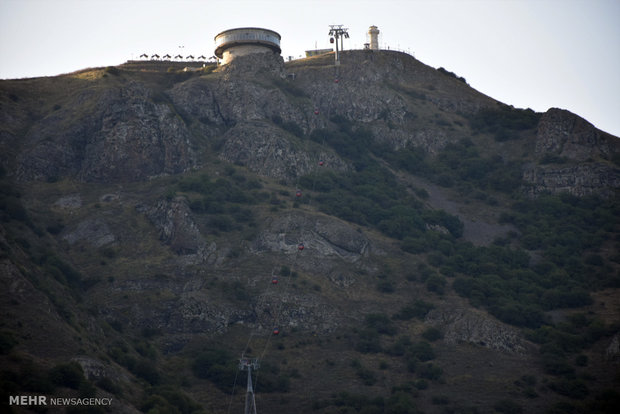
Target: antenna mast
x,y
250,402
338,32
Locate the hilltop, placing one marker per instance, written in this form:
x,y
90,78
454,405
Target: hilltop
x,y
459,254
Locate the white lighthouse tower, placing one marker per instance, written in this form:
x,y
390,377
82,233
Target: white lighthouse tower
x,y
373,33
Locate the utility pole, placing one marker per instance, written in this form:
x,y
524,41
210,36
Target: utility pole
x,y
338,32
250,402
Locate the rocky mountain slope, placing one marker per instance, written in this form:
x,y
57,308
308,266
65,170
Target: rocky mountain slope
x,y
434,250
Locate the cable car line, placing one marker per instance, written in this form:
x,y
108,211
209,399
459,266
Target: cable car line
x,y
281,284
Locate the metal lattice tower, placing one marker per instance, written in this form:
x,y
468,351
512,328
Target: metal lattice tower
x,y
338,32
250,402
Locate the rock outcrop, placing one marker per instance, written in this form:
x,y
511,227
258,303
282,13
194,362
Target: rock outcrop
x,y
471,326
612,352
565,134
255,64
272,152
248,89
333,248
574,157
579,180
177,229
323,236
115,134
94,231
307,312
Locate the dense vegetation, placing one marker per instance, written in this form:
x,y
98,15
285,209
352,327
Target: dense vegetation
x,y
460,165
518,291
371,195
501,277
569,231
226,201
564,232
505,123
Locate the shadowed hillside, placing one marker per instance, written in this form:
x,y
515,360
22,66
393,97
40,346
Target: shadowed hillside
x,y
383,237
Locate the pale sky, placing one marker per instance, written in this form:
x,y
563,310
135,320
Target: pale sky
x,y
527,53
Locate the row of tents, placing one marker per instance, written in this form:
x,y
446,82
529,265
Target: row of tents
x,y
177,57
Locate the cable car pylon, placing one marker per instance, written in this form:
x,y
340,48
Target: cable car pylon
x,y
250,401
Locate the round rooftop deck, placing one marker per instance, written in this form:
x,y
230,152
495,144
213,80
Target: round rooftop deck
x,y
246,36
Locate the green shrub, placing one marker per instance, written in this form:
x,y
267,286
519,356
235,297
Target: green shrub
x,y
380,323
55,228
68,375
62,271
518,314
417,309
528,380
112,70
29,378
606,401
507,407
385,286
451,74
572,388
436,283
166,399
110,386
367,376
272,379
217,366
235,291
293,128
504,122
399,347
368,341
564,407
400,403
429,371
421,384
556,365
440,400
7,342
146,349
421,351
432,334
222,223
412,159
353,403
145,369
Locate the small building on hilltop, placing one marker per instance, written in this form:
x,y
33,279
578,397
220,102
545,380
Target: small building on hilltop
x,y
233,43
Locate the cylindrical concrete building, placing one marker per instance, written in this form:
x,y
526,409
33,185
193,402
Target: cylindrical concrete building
x,y
232,43
373,33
